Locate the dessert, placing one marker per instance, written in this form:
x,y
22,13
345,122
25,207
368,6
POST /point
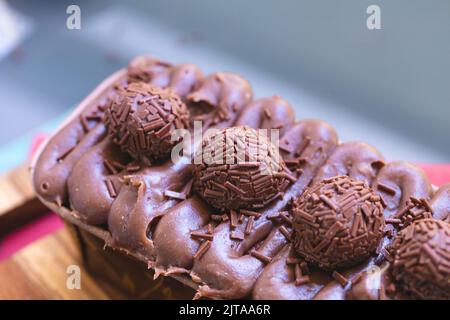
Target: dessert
x,y
142,119
142,204
238,168
338,223
421,263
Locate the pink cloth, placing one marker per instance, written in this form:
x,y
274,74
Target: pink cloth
x,y
34,230
439,174
29,233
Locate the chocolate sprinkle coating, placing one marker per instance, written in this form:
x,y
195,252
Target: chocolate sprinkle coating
x,y
337,223
142,119
237,168
422,259
415,209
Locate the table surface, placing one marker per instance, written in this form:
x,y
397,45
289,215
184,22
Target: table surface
x,y
39,271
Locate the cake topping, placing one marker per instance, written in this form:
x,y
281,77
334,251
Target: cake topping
x,y
238,168
441,203
415,209
422,259
338,223
219,98
143,68
355,159
143,118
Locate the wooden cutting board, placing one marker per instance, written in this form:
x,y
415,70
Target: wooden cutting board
x,y
18,203
39,272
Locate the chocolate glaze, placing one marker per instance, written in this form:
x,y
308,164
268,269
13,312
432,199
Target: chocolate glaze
x,y
144,221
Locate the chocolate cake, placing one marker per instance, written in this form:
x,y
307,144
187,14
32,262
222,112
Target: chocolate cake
x,y
225,229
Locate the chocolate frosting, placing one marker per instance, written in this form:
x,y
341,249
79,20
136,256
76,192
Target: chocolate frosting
x,y
182,78
90,173
268,113
151,213
441,203
397,182
219,99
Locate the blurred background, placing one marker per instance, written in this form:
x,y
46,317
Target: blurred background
x,y
388,87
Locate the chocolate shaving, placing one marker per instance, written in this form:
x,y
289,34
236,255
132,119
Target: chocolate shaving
x,y
202,249
249,226
201,235
250,213
84,124
233,219
285,232
387,189
237,235
110,167
65,154
258,255
110,187
343,281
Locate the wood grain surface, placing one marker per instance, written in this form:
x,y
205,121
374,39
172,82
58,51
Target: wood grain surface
x,y
18,203
39,272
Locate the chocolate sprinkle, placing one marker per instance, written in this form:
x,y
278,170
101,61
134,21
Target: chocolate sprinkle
x,y
263,258
385,188
237,235
343,281
202,249
175,195
201,235
249,226
415,209
285,233
110,187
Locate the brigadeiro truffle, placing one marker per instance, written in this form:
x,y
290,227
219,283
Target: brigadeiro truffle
x,y
338,223
141,121
422,259
239,168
